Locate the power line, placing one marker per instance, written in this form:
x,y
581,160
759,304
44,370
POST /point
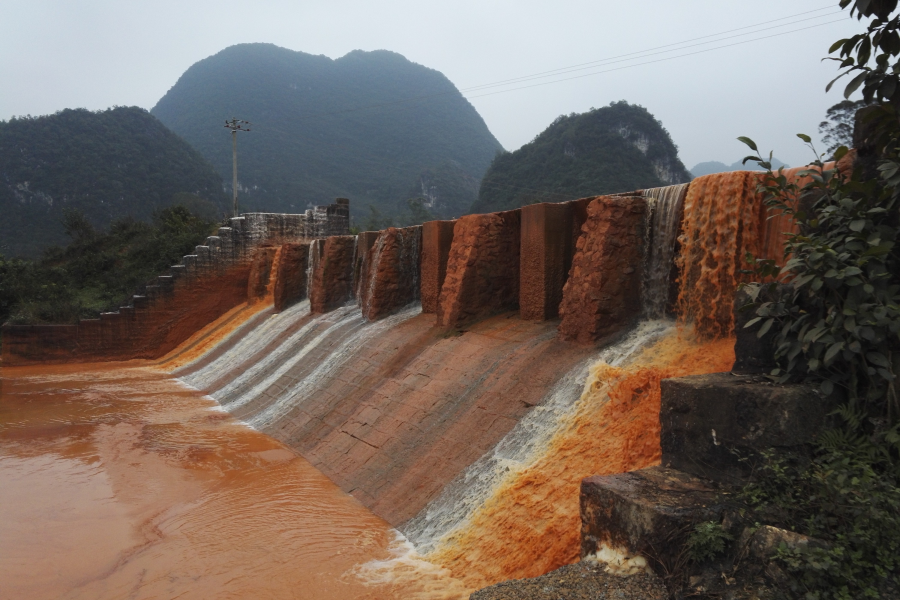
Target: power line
x,y
582,66
562,70
650,62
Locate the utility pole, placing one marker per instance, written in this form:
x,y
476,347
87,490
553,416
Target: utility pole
x,y
235,125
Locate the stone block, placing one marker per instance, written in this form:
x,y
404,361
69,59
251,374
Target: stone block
x,y
753,354
710,422
260,273
290,276
390,277
649,512
437,238
603,292
26,344
482,269
332,273
545,258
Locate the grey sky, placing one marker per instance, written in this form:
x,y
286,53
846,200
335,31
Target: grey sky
x,y
96,54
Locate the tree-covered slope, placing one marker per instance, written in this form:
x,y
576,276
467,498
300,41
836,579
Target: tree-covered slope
x,y
617,148
315,138
110,164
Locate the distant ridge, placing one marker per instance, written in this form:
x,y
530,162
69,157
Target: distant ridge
x,y
617,148
714,166
312,139
120,162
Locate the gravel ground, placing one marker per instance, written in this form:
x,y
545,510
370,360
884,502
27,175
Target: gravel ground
x,y
580,581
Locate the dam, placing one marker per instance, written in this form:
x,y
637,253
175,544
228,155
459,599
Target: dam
x,y
298,412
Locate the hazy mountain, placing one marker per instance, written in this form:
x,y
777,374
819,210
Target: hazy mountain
x,y
617,148
314,136
714,166
108,164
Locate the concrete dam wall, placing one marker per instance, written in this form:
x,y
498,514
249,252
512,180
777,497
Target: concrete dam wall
x,y
461,377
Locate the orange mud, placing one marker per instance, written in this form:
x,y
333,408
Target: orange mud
x,y
531,523
722,222
122,483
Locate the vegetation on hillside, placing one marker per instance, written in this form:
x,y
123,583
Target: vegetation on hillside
x,y
97,271
315,135
108,165
617,148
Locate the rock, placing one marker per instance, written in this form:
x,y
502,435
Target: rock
x,y
710,422
586,580
437,238
389,278
602,294
752,354
260,273
648,512
482,269
332,276
290,277
545,259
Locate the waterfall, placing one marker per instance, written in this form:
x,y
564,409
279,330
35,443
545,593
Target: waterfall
x,y
293,396
666,205
369,276
525,443
311,260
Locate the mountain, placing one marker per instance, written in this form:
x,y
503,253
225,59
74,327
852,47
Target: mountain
x,y
108,165
714,166
370,126
617,148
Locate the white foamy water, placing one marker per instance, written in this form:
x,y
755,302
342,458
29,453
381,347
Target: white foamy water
x,y
256,338
328,367
522,446
665,218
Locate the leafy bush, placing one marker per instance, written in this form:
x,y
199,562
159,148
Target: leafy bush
x,y
707,541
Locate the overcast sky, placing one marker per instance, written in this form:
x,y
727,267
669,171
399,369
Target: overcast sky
x,y
96,54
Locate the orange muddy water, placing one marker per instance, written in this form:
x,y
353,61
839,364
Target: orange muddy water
x,y
119,482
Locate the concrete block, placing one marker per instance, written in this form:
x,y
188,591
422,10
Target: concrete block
x,y
711,421
437,237
649,512
547,246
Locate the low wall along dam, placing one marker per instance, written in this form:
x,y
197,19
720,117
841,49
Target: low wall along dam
x,y
458,380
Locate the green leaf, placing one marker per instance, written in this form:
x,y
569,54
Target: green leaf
x,y
826,387
748,142
765,328
857,225
879,359
832,351
752,322
854,84
804,137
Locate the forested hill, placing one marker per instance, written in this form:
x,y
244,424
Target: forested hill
x,y
109,164
314,137
617,148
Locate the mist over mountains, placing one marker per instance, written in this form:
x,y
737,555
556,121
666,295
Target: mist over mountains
x,y
313,137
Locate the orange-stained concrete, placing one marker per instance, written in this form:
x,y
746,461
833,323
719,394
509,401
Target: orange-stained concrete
x,y
121,483
721,224
531,523
408,409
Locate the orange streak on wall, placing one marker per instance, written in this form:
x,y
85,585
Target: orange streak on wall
x,y
206,339
721,224
531,523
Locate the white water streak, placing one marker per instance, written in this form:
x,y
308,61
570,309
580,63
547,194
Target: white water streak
x,y
522,446
328,368
344,317
257,337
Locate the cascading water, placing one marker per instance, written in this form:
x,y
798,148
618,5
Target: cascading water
x,y
722,222
312,261
666,207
